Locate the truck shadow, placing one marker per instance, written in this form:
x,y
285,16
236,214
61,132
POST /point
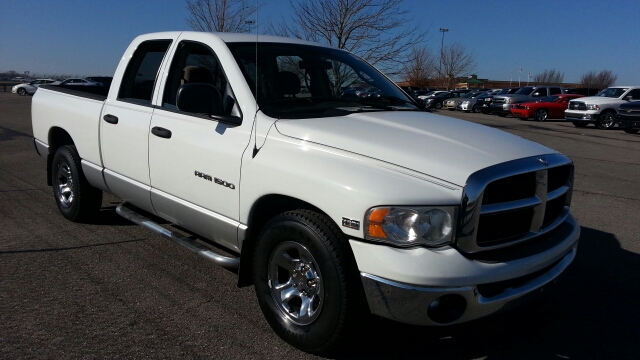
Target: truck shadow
x,y
592,313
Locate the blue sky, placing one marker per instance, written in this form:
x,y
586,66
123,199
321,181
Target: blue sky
x,y
87,37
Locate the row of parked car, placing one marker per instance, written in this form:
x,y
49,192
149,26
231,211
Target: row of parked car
x,y
29,88
615,105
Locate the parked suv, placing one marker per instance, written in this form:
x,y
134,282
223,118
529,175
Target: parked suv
x,y
602,108
501,104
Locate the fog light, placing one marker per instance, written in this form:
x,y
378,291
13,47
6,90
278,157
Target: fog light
x,y
447,308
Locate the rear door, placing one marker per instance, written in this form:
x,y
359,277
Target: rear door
x,y
126,116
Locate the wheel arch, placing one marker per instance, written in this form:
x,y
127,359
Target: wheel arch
x,y
56,138
264,209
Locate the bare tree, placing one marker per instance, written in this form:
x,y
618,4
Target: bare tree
x,y
549,77
601,80
377,30
220,15
456,62
421,68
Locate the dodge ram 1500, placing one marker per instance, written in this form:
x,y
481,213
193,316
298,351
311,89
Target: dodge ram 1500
x,y
327,205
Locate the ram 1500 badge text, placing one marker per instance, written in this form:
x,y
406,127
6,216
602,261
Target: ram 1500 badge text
x,y
327,205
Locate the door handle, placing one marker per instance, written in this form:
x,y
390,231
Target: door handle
x,y
161,132
111,119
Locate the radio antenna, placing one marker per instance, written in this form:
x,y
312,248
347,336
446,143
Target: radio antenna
x,y
255,117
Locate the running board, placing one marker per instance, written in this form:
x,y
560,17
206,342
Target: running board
x,y
220,260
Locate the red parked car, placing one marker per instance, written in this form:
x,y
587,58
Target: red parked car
x,y
551,107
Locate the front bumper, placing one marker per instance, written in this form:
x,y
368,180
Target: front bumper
x,y
520,113
628,122
444,288
501,108
580,115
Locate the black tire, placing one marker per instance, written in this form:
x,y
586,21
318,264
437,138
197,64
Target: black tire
x,y
474,109
541,115
631,131
606,120
77,200
22,92
438,105
287,243
580,124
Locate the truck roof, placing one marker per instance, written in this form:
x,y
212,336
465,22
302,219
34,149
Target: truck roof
x,y
236,37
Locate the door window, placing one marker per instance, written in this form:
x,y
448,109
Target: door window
x,y
195,63
141,73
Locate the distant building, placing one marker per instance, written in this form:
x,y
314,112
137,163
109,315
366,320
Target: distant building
x,y
472,82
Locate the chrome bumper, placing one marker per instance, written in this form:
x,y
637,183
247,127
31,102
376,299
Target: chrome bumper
x,y
444,306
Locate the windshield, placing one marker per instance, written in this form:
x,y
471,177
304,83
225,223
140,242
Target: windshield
x,y
525,90
612,92
305,81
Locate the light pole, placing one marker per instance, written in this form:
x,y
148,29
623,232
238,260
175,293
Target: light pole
x,y
442,30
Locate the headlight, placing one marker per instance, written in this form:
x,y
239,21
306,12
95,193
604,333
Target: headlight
x,y
508,100
404,226
593,107
466,102
428,100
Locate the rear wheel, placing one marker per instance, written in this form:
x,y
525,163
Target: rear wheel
x,y
606,120
541,115
580,124
631,131
304,280
77,200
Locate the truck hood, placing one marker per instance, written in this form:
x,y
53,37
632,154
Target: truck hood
x,y
442,147
598,100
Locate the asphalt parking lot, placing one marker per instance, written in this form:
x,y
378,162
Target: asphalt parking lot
x,y
111,289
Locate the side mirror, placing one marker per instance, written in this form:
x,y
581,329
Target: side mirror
x,y
628,98
204,99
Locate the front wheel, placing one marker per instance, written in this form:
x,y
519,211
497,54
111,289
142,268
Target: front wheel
x,y
438,105
305,281
606,121
22,92
77,200
541,115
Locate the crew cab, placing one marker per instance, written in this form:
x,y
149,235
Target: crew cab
x,y
551,107
328,206
601,109
501,104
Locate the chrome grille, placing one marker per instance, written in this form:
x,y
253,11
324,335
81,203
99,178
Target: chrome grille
x,y
577,105
514,202
499,100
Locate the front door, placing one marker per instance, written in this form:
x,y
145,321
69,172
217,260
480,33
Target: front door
x,y
194,158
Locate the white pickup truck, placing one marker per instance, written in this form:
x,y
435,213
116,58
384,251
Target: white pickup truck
x,y
329,205
600,109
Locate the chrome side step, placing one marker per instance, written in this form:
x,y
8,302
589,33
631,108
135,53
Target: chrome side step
x,y
220,260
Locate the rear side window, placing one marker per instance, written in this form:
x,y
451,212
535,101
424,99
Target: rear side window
x,y
141,73
555,91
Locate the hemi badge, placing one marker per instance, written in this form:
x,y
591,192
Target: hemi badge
x,y
351,224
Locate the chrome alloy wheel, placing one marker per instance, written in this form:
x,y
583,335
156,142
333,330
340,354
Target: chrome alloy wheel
x,y
65,185
295,283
